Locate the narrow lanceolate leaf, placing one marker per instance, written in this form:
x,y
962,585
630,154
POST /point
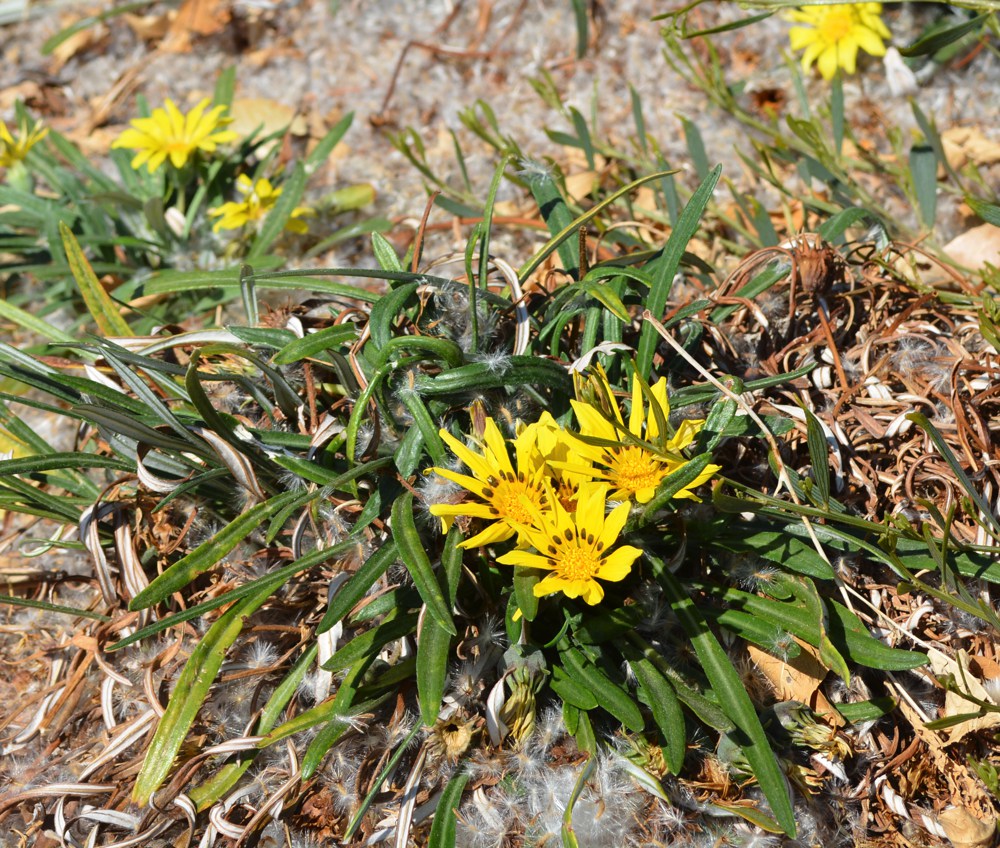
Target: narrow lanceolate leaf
x,y
360,583
411,550
443,827
819,456
434,641
609,694
733,699
209,553
101,307
665,266
189,693
657,693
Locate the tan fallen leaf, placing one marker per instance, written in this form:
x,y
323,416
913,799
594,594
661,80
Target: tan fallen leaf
x,y
797,679
194,18
954,704
965,830
250,113
150,27
79,42
581,184
975,247
968,144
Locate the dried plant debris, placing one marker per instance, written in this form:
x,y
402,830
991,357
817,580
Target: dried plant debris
x,y
871,346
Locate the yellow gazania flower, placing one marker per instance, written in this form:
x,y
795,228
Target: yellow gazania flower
x,y
834,33
560,451
258,198
13,150
168,132
504,496
576,546
633,471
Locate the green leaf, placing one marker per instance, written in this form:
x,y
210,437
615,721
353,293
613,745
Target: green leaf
x,y
555,212
192,686
656,692
664,267
324,147
208,553
411,551
101,307
60,609
819,456
696,148
989,212
923,170
313,343
368,644
34,325
359,584
610,696
871,710
735,702
385,255
934,41
434,641
512,371
385,311
443,827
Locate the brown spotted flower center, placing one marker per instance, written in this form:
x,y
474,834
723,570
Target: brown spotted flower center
x,y
575,555
507,497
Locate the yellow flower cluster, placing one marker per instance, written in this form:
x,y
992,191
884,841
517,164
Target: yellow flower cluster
x,y
170,133
258,198
553,497
14,149
833,34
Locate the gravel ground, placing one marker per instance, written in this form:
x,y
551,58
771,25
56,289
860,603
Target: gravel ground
x,y
328,58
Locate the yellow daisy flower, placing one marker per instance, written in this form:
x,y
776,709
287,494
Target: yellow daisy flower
x,y
560,451
576,546
258,199
833,34
633,471
168,132
13,150
506,497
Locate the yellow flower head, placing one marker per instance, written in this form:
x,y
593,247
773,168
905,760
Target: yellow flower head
x,y
258,198
13,149
634,471
560,452
832,35
576,546
168,132
505,496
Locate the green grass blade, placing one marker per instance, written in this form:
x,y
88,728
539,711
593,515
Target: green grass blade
x,y
411,551
101,307
557,240
735,702
208,553
360,583
665,266
443,826
434,641
192,686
